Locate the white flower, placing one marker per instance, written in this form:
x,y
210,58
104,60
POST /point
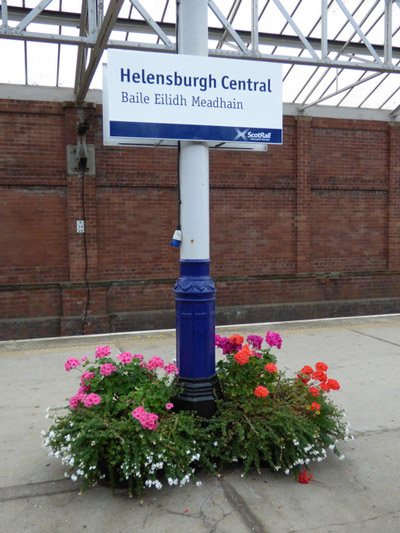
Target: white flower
x,y
287,471
198,483
341,457
74,477
215,443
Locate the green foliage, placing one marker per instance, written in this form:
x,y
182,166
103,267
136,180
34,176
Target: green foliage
x,y
120,428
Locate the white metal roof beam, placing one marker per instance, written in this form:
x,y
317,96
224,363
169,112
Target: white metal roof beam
x,y
341,52
296,29
339,91
4,14
363,37
101,42
388,31
233,33
254,26
231,17
153,24
82,50
32,15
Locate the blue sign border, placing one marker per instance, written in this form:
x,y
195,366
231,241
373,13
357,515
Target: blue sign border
x,y
241,134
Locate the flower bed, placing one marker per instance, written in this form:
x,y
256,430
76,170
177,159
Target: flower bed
x,y
121,426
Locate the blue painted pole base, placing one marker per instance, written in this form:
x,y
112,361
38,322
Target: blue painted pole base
x,y
195,337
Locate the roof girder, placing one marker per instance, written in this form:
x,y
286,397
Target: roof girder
x,y
95,35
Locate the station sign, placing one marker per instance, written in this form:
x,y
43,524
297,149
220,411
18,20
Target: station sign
x,y
162,96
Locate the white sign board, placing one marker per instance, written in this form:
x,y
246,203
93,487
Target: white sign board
x,y
171,96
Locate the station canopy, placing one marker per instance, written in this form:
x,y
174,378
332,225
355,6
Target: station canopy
x,y
341,55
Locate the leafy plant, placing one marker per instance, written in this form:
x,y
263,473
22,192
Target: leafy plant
x,y
267,419
120,427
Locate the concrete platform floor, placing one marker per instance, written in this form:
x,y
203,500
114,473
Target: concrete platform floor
x,y
359,494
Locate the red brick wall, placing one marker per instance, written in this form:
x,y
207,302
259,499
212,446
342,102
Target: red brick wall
x,y
310,228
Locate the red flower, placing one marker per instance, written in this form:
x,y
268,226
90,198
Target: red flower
x,y
236,339
306,370
314,391
246,350
333,384
271,368
241,357
324,387
261,392
320,376
321,366
315,406
305,477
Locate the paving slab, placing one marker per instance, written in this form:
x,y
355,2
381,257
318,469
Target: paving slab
x,y
360,493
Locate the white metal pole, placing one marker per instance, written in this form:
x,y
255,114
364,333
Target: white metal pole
x,y
195,290
194,157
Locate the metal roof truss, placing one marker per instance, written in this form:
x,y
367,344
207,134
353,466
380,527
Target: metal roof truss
x,y
229,37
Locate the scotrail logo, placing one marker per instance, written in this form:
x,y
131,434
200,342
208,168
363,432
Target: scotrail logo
x,y
247,135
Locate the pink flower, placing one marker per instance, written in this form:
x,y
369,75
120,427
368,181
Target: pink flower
x,y
102,351
84,358
148,420
71,363
170,368
155,362
255,341
138,356
271,368
169,406
85,377
107,369
74,401
125,358
92,399
274,339
226,345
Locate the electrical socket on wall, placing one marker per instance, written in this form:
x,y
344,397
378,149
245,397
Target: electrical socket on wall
x,y
80,226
